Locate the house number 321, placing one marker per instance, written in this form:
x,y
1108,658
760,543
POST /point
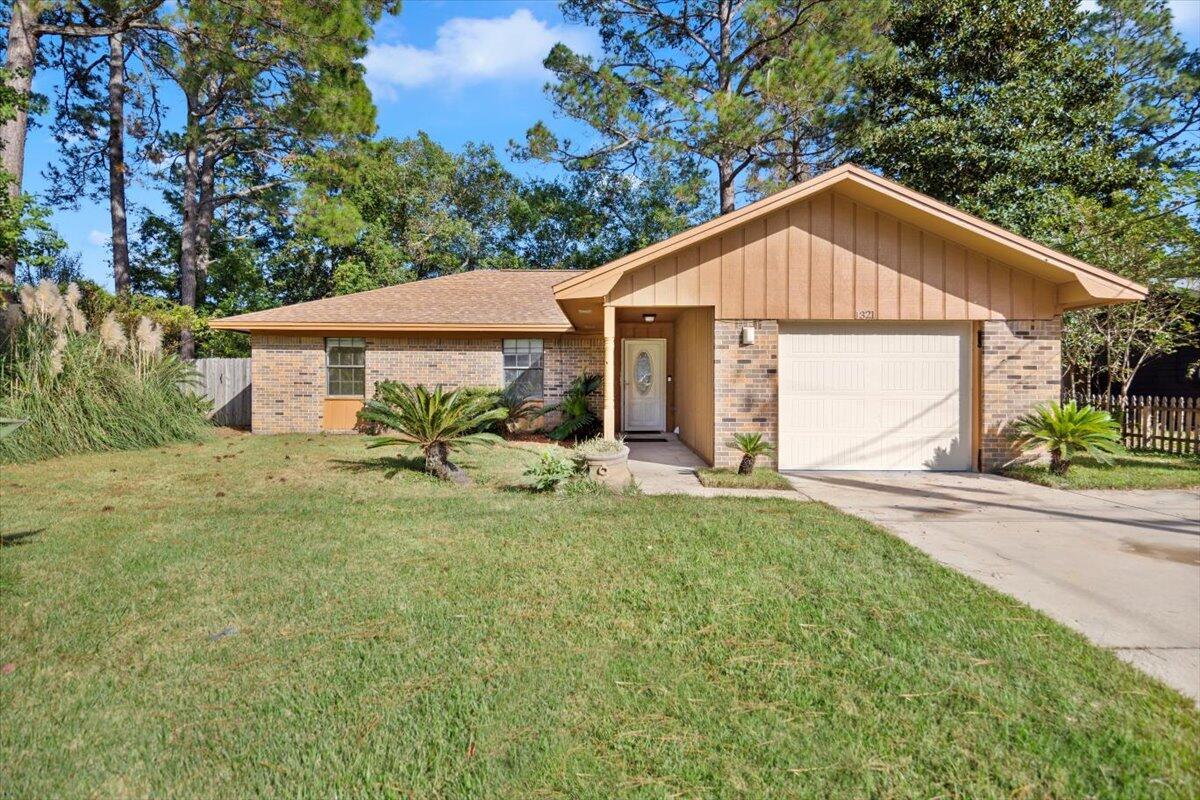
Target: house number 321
x,y
864,315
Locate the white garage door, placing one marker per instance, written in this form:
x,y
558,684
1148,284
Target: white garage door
x,y
877,395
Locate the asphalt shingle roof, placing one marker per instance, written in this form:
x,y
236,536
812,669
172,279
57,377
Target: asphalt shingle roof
x,y
479,297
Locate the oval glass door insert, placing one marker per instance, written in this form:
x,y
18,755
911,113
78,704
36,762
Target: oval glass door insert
x,y
643,373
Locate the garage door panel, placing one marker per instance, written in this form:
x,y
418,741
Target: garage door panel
x,y
874,396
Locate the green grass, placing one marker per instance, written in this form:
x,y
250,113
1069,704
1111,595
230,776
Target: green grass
x,y
1132,471
401,638
730,479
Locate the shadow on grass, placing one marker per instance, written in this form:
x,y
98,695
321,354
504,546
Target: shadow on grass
x,y
390,466
18,538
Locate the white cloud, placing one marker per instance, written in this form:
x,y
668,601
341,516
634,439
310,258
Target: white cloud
x,y
473,50
98,238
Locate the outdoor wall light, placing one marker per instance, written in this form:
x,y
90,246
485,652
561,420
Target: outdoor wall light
x,y
748,335
649,317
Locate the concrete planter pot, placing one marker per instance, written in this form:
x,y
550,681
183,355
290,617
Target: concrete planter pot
x,y
609,468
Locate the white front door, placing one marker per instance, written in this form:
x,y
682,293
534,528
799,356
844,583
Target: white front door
x,y
644,401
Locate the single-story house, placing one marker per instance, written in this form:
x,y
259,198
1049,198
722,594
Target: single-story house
x,y
856,323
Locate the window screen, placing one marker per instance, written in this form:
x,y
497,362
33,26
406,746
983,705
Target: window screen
x,y
523,367
346,365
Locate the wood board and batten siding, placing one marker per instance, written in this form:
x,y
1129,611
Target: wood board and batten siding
x,y
831,257
226,383
694,404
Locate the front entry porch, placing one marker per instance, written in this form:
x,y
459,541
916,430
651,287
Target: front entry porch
x,y
658,375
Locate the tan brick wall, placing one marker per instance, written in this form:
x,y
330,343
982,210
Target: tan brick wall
x,y
431,362
1022,367
565,359
289,371
746,384
288,376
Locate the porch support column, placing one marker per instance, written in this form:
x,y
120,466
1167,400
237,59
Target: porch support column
x,y
610,371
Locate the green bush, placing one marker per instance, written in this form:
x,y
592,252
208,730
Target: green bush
x,y
550,471
82,388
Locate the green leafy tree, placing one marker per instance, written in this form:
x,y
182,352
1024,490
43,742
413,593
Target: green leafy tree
x,y
584,220
76,23
434,422
733,85
382,212
1151,239
262,84
999,109
1158,76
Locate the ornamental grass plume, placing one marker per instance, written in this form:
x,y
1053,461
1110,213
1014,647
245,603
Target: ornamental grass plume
x,y
149,338
82,389
74,312
112,335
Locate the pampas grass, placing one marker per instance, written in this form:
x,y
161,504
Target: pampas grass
x,y
83,389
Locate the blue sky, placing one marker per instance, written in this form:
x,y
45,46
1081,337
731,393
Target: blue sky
x,y
460,70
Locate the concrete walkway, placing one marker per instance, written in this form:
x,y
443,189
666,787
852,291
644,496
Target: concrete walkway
x,y
669,467
1122,568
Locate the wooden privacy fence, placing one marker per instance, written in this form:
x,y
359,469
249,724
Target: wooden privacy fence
x,y
1165,424
226,382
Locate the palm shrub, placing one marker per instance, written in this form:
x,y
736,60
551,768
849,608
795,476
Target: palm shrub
x,y
83,388
434,422
575,415
518,407
751,446
1067,431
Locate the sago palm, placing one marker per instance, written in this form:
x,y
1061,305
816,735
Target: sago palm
x,y
751,446
1067,431
435,422
575,415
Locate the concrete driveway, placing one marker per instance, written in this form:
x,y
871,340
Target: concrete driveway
x,y
1122,568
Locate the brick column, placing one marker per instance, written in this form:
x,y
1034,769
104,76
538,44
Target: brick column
x,y
746,384
1022,368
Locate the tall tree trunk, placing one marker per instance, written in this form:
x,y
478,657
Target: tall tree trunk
x,y
725,173
187,243
204,220
116,162
21,55
725,181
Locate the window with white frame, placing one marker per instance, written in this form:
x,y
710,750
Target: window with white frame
x,y
346,367
523,367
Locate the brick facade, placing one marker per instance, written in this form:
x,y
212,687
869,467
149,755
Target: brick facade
x,y
288,372
746,385
565,359
1022,367
427,361
288,376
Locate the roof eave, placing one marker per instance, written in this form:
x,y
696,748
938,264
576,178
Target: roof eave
x,y
262,326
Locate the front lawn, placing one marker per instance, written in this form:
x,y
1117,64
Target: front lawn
x,y
730,479
1131,471
295,616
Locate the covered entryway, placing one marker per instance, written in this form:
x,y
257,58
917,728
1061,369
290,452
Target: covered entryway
x,y
875,396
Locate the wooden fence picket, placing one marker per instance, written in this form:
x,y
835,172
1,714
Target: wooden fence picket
x,y
1162,424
